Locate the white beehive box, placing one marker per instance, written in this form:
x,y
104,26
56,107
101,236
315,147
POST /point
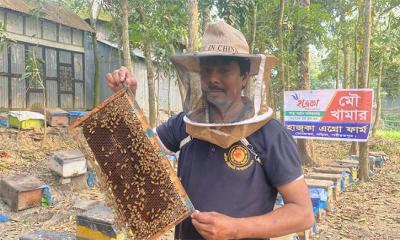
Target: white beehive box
x,y
68,163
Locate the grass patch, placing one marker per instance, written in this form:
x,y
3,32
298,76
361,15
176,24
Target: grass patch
x,y
389,134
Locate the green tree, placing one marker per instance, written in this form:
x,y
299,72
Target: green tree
x,y
364,162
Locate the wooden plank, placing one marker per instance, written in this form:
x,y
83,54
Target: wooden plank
x,y
331,170
352,167
18,96
49,31
317,183
3,92
77,37
14,22
349,161
51,94
65,35
17,58
35,100
3,60
46,43
51,63
78,66
79,96
33,27
66,101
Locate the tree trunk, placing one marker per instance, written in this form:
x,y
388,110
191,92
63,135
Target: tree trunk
x,y
357,64
150,75
96,80
281,70
193,46
248,88
355,58
378,99
93,15
346,70
125,36
180,84
253,28
353,149
304,61
151,86
337,68
364,162
206,17
193,25
271,101
304,84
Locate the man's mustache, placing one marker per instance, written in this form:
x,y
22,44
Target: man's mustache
x,y
214,88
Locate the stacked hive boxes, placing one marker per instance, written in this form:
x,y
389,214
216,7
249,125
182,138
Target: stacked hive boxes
x,y
70,166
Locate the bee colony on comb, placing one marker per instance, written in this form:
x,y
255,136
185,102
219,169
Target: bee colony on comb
x,y
143,189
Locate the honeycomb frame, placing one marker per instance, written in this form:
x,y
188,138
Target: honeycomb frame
x,y
142,187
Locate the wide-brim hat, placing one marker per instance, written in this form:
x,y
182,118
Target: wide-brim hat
x,y
219,39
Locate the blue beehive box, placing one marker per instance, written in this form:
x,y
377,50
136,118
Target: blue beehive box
x,y
74,115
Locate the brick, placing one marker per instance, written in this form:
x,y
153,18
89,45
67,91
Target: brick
x,y
21,191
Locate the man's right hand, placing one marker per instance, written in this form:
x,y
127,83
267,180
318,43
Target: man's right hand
x,y
116,79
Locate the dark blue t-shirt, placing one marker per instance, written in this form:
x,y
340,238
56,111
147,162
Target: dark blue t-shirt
x,y
230,181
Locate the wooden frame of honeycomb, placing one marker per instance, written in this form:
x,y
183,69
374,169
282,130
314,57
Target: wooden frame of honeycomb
x,y
125,154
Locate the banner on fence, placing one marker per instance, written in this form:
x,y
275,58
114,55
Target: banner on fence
x,y
329,114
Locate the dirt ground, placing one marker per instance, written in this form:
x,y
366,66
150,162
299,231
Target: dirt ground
x,y
368,211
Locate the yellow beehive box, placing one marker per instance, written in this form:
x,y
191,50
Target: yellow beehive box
x,y
25,119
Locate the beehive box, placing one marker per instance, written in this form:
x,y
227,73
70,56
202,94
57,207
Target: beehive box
x,y
56,117
353,168
336,178
143,189
327,185
21,191
25,119
75,115
68,163
319,198
97,223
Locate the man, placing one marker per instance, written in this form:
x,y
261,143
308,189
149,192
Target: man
x,y
233,158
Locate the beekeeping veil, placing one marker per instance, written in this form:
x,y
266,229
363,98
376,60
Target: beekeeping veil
x,y
225,87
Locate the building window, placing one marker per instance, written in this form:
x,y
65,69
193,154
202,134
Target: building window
x,y
66,80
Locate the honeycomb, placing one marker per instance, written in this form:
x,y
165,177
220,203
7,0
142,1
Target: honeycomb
x,y
143,189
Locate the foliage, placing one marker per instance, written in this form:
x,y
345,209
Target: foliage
x,y
5,42
389,134
34,72
79,7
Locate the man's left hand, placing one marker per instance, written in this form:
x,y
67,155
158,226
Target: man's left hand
x,y
213,225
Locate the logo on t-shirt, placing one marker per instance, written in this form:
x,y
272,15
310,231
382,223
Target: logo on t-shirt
x,y
238,158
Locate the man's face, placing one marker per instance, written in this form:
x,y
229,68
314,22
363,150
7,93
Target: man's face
x,y
221,81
